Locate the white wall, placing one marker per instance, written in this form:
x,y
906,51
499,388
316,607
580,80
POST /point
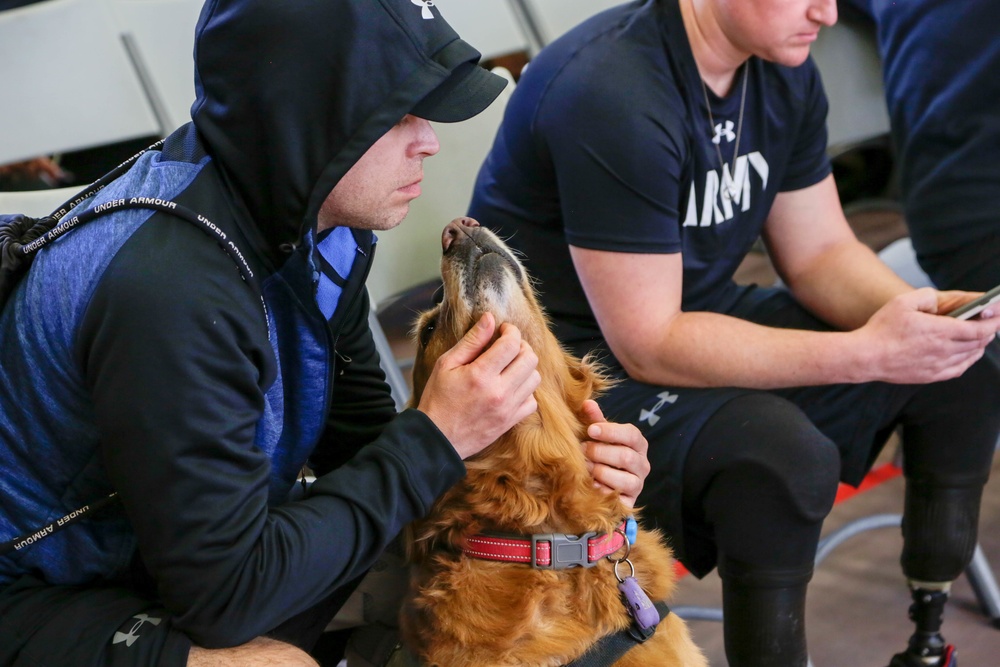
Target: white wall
x,y
557,16
162,32
490,26
848,61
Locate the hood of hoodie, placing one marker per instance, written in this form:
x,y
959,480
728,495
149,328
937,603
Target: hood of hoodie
x,y
291,93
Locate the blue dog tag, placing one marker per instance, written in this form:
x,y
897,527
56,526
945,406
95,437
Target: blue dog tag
x,y
639,606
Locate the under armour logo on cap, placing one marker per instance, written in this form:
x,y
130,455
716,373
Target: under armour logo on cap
x,y
425,6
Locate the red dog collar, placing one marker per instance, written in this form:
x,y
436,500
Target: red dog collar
x,y
556,551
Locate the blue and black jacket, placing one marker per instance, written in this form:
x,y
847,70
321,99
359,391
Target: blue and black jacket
x,y
135,359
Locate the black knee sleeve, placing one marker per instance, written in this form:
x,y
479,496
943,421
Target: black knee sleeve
x,y
940,526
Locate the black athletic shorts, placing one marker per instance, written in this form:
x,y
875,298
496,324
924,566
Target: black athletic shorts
x,y
68,626
858,418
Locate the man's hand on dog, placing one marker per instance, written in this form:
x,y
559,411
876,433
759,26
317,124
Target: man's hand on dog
x,y
478,391
616,455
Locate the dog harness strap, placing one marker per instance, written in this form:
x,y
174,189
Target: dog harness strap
x,y
610,648
547,550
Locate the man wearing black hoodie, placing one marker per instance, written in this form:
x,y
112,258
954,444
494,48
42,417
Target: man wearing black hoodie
x,y
189,386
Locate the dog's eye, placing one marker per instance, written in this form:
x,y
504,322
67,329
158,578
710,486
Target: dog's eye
x,y
427,331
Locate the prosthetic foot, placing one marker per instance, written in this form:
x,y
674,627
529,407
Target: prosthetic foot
x,y
927,647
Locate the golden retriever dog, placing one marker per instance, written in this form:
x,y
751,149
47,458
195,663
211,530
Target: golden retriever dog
x,y
466,611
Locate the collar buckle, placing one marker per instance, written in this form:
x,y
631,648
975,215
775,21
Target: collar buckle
x,y
558,551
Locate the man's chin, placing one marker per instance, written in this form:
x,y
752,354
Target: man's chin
x,y
393,219
792,56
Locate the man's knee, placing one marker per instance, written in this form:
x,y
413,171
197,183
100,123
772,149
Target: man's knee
x,y
776,453
764,478
259,652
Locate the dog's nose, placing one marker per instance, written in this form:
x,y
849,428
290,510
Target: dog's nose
x,y
453,231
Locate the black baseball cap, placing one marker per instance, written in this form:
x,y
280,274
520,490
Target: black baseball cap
x,y
468,91
457,87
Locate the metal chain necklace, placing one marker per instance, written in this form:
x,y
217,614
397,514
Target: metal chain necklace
x,y
729,189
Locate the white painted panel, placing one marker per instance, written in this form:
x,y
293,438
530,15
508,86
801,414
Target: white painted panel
x,y
65,81
489,25
163,32
557,16
36,203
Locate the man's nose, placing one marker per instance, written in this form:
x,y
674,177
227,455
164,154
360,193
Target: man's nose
x,y
426,141
823,12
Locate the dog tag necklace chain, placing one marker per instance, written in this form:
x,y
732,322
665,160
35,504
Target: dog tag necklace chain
x,y
729,189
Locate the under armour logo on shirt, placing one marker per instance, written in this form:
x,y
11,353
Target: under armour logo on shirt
x,y
650,415
130,637
727,131
425,6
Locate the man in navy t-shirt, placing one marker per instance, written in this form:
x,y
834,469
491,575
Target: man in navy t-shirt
x,y
640,158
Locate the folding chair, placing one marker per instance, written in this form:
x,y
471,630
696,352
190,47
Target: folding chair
x,y
158,36
91,96
36,203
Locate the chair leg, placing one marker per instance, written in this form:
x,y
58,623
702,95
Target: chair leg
x,y
984,584
394,377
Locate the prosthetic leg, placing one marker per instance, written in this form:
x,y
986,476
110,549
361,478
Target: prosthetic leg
x,y
926,647
939,538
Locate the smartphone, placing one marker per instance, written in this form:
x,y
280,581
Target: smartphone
x,y
975,306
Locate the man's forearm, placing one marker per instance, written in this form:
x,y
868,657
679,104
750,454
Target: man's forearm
x,y
711,350
845,285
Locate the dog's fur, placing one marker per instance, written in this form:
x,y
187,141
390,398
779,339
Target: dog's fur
x,y
470,612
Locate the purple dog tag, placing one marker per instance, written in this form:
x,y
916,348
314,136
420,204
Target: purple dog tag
x,y
639,606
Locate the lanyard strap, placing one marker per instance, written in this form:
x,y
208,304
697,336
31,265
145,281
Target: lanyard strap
x,y
23,541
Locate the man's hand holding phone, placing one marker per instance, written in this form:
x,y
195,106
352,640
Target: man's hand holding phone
x,y
972,308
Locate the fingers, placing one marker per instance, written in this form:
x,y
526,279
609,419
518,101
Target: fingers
x,y
478,391
959,363
592,412
980,329
924,299
472,343
616,455
521,378
520,369
610,479
625,435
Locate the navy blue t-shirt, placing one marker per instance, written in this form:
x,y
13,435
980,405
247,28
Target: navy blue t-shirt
x,y
606,144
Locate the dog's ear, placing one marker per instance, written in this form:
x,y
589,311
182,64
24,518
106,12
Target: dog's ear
x,y
589,379
424,330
